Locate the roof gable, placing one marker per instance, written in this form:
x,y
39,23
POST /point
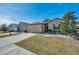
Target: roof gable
x,y
57,20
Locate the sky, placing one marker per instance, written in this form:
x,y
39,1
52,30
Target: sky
x,y
34,12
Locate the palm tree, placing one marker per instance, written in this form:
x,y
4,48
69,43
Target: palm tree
x,y
70,22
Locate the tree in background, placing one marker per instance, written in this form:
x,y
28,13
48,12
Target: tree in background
x,y
3,27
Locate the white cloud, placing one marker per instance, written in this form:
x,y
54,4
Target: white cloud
x,y
6,20
9,19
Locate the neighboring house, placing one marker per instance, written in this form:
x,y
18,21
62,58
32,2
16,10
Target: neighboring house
x,y
77,27
13,27
45,26
23,26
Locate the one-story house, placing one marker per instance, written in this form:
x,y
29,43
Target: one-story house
x,y
45,26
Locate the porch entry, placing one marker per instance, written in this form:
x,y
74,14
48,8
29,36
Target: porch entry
x,y
46,27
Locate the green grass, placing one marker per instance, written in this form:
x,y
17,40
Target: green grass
x,y
50,45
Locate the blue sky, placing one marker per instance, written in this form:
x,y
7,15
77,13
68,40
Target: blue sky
x,y
28,12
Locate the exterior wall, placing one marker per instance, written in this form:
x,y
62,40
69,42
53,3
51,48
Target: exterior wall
x,y
36,28
50,24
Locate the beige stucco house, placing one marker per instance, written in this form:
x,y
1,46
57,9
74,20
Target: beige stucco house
x,y
45,26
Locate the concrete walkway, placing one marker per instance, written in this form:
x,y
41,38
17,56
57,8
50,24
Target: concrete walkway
x,y
8,48
58,35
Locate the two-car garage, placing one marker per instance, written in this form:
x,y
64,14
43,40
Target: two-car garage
x,y
39,27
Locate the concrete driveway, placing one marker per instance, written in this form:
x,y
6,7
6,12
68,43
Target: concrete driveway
x,y
7,46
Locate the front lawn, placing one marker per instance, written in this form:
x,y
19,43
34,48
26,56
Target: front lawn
x,y
43,45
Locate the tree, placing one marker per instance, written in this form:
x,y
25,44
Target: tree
x,y
69,19
63,26
3,27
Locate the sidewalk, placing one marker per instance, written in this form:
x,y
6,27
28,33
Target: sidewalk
x,y
57,35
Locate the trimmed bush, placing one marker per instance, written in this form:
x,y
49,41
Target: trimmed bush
x,y
25,30
56,31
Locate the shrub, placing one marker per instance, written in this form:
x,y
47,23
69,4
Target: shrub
x,y
25,30
56,31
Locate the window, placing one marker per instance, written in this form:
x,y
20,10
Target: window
x,y
56,26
